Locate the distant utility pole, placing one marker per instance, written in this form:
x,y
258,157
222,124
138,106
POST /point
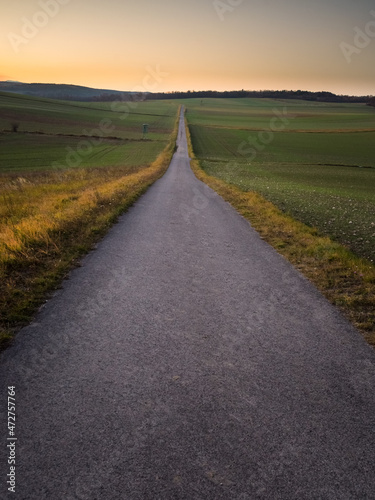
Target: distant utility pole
x,y
145,130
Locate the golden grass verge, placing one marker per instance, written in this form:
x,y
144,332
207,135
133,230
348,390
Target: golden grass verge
x,y
53,219
346,280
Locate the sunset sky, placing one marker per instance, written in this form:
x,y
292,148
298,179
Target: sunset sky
x,y
170,45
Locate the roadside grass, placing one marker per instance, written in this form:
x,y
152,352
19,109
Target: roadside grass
x,y
51,218
339,201
347,280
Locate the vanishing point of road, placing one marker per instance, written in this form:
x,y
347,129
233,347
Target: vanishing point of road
x,y
186,359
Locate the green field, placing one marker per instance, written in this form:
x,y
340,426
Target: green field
x,y
66,134
316,161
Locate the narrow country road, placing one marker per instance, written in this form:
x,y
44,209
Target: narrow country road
x,y
186,359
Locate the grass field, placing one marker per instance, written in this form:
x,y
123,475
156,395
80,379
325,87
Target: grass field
x,y
61,134
65,176
23,153
315,161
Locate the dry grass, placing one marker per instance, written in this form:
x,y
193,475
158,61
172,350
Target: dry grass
x,y
49,220
345,279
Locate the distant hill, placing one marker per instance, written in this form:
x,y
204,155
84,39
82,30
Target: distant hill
x,y
63,92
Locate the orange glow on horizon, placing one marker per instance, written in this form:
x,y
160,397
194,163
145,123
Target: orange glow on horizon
x,y
189,46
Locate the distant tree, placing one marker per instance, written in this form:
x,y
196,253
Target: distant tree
x,y
15,127
371,102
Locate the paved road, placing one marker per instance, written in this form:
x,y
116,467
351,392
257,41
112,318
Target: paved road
x,y
186,359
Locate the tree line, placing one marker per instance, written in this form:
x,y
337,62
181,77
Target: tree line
x,y
270,94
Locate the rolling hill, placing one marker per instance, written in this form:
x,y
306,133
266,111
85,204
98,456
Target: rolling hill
x,y
63,92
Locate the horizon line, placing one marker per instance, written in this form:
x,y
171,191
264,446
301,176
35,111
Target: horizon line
x,y
191,91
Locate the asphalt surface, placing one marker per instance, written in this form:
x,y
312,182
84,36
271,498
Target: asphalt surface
x,y
186,359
